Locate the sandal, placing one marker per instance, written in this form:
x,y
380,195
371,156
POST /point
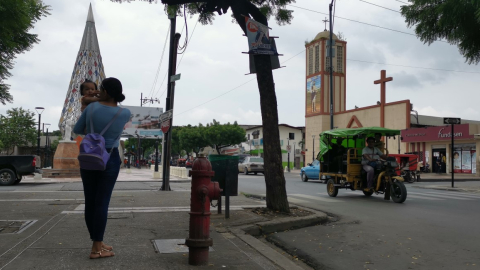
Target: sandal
x,y
106,247
99,253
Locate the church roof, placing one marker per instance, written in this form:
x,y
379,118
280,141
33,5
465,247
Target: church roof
x,y
325,34
88,65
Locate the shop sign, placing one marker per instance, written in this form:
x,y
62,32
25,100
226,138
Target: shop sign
x,y
438,133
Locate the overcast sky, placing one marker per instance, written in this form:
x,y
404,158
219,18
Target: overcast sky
x,y
213,83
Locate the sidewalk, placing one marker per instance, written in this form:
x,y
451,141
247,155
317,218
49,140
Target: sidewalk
x,y
147,228
143,174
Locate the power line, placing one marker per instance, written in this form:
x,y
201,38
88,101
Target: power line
x,y
437,69
380,6
402,2
369,24
159,64
210,100
178,65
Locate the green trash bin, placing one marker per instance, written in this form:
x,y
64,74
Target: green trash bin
x,y
226,173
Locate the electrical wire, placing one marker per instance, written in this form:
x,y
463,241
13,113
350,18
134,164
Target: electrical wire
x,y
427,68
369,24
402,2
380,6
178,65
183,47
159,64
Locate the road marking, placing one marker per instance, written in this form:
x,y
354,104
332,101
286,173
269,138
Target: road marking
x,y
456,194
423,198
316,198
80,209
441,196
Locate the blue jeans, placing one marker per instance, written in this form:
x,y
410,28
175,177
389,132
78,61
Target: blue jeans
x,y
98,188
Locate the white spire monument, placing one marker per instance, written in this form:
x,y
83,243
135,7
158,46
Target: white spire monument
x,y
87,66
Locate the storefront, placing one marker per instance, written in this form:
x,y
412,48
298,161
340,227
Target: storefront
x,y
433,145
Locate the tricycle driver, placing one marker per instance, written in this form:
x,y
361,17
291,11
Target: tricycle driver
x,y
370,158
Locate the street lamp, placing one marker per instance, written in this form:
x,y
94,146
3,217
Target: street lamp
x,y
47,145
288,148
313,150
39,111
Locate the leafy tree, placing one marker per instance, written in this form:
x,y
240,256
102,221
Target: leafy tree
x,y
177,148
221,136
193,138
260,10
456,21
148,145
16,19
17,128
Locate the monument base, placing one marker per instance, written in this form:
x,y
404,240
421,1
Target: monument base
x,y
65,162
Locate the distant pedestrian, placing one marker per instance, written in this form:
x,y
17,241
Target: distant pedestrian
x,y
98,185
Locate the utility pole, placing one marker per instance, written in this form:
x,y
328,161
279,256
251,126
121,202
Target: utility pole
x,y
330,49
167,138
288,159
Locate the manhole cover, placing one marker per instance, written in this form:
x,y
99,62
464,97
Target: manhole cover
x,y
15,226
171,246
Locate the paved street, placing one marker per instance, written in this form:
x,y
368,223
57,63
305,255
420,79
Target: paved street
x,y
433,229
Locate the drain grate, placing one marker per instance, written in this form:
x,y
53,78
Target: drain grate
x,y
15,226
171,246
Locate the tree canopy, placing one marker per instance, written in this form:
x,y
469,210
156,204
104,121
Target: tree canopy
x,y
193,138
221,136
16,19
458,22
17,128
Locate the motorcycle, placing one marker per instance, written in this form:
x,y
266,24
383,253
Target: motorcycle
x,y
409,176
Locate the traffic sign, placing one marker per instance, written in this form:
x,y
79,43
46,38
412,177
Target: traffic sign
x,y
165,126
175,77
452,121
166,116
289,148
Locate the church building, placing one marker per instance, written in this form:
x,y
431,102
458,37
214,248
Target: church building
x,y
425,136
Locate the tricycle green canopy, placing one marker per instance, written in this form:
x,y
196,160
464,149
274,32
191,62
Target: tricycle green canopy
x,y
356,136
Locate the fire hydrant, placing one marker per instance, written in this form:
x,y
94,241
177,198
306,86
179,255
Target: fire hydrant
x,y
203,192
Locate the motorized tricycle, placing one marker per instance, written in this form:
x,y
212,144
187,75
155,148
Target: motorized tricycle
x,y
340,159
408,166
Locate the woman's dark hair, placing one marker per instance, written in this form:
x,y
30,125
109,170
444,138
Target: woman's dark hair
x,y
113,87
82,86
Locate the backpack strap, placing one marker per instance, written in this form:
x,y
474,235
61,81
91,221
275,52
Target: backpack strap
x,y
111,121
91,118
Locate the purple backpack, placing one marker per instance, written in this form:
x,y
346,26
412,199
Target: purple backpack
x,y
93,154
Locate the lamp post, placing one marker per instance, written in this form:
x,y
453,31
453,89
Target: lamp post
x,y
39,111
47,145
288,154
313,150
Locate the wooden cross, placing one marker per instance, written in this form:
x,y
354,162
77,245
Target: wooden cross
x,y
382,81
325,21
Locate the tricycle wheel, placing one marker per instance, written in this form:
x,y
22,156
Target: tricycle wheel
x,y
368,193
7,177
332,190
398,192
304,177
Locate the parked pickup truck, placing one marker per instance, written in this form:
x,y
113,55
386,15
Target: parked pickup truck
x,y
13,168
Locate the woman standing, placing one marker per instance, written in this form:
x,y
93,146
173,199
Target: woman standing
x,y
98,185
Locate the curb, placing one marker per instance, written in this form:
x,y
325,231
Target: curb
x,y
284,224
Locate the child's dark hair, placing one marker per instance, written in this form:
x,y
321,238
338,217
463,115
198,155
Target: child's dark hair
x,y
114,89
82,86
